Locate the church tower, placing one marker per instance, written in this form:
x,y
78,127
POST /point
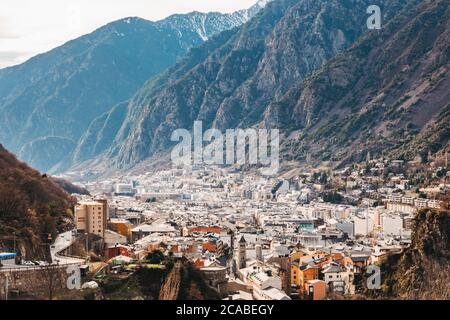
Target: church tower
x,y
258,251
242,253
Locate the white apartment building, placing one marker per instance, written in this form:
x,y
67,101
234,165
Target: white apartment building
x,y
124,188
421,203
434,204
401,207
408,200
338,279
392,224
363,226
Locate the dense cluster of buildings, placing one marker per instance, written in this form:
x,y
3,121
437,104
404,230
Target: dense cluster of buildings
x,y
257,237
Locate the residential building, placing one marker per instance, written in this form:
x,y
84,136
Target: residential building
x,y
90,216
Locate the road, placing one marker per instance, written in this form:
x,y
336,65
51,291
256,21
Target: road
x,y
62,242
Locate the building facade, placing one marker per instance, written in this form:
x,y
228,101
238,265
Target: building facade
x,y
91,216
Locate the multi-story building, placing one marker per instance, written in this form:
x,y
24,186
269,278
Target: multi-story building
x,y
90,216
363,226
124,189
396,198
336,278
122,226
392,224
400,207
434,204
421,203
408,200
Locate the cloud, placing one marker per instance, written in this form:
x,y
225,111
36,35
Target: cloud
x,y
10,58
5,34
29,27
6,30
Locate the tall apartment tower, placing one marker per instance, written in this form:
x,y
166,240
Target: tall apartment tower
x,y
91,216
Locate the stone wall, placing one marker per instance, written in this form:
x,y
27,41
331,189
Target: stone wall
x,y
39,282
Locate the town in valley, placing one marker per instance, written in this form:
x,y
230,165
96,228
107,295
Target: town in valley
x,y
310,234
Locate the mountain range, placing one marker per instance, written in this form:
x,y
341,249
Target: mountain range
x,y
48,102
389,94
335,89
311,68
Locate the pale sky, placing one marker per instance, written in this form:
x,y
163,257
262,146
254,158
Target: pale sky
x,y
29,27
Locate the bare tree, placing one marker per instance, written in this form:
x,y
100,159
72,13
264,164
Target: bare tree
x,y
51,280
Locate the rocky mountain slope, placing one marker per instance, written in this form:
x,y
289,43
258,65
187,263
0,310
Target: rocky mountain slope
x,y
102,132
233,81
32,206
389,94
48,102
422,271
69,187
179,281
312,69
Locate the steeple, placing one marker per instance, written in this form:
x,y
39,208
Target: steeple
x,y
242,253
258,251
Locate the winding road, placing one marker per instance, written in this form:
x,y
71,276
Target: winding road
x,y
62,242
